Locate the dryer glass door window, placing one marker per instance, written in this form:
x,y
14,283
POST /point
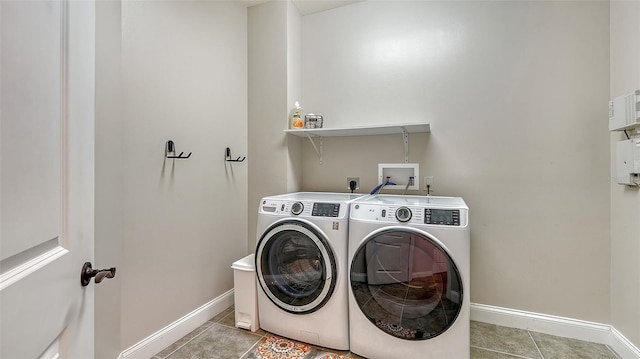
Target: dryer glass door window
x,y
296,267
406,284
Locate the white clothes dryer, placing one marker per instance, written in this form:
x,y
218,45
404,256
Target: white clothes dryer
x,y
301,267
409,277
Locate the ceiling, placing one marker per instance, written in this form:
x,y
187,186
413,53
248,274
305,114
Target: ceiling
x,y
307,7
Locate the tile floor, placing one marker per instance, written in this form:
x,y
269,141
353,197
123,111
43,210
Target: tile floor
x,y
219,339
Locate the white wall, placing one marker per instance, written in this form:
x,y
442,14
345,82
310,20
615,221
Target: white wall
x,y
184,78
294,93
516,94
625,201
274,66
267,50
109,231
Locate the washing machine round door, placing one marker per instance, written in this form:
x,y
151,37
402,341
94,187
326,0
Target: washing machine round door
x,y
295,266
406,284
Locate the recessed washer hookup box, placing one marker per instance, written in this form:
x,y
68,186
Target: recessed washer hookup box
x,y
400,174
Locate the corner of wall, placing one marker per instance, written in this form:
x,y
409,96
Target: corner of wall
x,y
108,179
269,168
625,201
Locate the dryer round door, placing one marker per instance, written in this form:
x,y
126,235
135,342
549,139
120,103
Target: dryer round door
x,y
296,267
406,283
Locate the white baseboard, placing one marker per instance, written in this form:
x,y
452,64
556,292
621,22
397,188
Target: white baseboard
x,y
554,325
168,335
543,323
513,318
623,347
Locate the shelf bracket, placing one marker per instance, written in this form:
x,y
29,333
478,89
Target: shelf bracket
x,y
405,139
319,152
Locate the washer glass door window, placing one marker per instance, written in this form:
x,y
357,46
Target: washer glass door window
x,y
296,267
406,284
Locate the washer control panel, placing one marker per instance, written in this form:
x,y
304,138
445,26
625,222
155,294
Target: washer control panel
x,y
454,217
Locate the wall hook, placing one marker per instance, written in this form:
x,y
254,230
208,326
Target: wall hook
x,y
227,157
170,151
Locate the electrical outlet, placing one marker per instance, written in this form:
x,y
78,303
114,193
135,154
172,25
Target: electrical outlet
x,y
428,181
356,180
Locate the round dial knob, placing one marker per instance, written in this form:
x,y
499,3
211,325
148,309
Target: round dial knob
x,y
297,208
403,214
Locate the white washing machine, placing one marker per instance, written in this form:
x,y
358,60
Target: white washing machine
x,y
301,267
409,277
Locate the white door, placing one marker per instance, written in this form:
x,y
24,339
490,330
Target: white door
x,y
47,178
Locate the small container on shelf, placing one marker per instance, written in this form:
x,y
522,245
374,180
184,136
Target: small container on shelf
x,y
312,121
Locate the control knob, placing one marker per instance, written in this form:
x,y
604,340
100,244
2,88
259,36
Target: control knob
x,y
297,208
403,214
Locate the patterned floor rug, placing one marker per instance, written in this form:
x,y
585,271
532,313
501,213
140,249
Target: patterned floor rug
x,y
274,347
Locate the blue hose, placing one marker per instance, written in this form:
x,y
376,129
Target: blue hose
x,y
380,186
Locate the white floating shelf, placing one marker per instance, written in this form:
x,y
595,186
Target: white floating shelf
x,y
321,133
362,131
